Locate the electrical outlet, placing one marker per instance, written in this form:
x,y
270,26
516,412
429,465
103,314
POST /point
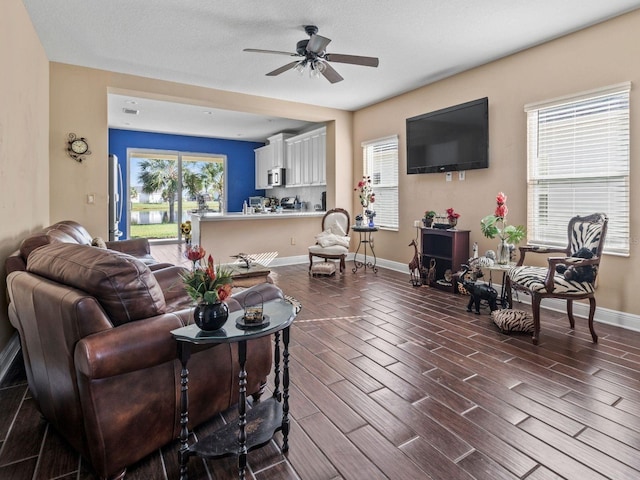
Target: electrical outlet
x,y
461,176
449,176
293,240
416,223
91,198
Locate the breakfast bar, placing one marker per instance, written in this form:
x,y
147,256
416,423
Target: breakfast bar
x,y
226,235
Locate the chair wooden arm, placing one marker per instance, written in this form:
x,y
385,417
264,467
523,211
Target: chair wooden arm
x,y
551,272
573,261
538,249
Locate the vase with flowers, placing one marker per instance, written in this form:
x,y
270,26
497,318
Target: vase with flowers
x,y
208,285
367,197
496,225
453,217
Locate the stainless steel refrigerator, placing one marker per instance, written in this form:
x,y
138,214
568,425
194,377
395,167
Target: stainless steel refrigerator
x,y
115,198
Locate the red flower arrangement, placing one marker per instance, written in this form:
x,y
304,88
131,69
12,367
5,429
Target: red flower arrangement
x,y
489,224
452,216
367,195
206,283
501,209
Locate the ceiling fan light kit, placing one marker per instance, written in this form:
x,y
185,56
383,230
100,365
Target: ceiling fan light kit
x,y
315,58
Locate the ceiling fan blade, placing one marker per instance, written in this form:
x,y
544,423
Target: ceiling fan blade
x,y
317,43
277,52
330,74
352,59
282,69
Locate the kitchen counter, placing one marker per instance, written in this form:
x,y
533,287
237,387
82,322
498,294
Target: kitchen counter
x,y
289,233
214,216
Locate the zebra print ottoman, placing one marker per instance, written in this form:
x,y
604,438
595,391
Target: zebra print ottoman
x,y
513,321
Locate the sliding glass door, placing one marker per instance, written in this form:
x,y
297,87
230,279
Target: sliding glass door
x,y
165,186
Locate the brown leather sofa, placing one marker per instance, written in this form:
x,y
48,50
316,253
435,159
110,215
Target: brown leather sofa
x,y
101,363
69,231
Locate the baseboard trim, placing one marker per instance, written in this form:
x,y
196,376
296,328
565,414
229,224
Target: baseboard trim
x,y
607,316
8,355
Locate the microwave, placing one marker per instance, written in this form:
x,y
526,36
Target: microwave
x,y
276,177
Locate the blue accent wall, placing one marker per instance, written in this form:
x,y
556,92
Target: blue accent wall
x,y
240,160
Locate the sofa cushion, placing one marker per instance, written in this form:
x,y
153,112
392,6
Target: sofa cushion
x,y
38,240
122,284
75,230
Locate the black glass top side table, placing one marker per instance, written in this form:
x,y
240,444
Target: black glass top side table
x,y
266,417
366,242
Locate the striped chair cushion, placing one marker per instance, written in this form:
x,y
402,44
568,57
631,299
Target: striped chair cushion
x,y
532,278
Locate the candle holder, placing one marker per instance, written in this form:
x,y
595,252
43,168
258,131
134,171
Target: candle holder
x,y
253,316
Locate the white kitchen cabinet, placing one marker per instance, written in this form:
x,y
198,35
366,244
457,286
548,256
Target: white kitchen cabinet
x,y
264,161
270,156
277,143
306,158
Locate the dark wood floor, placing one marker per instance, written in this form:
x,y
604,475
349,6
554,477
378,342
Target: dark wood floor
x,y
393,381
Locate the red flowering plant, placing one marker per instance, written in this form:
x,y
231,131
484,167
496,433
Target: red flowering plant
x,y
206,283
367,196
496,224
452,215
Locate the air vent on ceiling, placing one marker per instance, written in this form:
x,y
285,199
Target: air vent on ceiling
x,y
130,111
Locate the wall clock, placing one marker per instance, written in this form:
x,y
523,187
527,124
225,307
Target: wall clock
x,y
77,147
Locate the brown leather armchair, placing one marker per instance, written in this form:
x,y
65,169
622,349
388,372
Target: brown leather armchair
x,y
101,363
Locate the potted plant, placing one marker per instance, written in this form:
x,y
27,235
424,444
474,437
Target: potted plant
x,y
207,285
496,225
453,217
429,215
359,218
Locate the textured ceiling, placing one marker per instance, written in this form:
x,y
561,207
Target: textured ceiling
x,y
200,42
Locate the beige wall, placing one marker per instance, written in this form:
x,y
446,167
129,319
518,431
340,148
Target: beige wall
x,y
602,55
24,137
79,105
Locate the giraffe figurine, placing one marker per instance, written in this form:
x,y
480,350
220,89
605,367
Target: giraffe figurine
x,y
414,266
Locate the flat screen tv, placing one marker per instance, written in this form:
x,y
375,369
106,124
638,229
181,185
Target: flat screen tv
x,y
451,139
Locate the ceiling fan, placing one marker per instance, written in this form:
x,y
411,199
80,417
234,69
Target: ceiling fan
x,y
315,58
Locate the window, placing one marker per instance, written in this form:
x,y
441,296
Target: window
x,y
165,186
381,164
578,164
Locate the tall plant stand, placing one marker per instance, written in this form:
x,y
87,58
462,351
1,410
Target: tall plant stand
x,y
366,242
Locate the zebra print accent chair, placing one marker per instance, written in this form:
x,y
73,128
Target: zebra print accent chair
x,y
544,282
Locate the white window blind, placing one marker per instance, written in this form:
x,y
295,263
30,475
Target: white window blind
x,y
578,164
381,164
